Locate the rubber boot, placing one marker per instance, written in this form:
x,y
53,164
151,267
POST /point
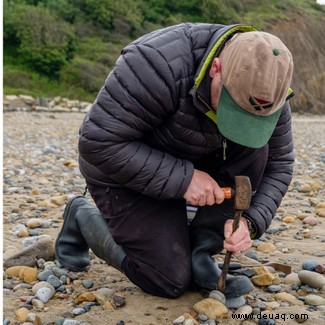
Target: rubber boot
x,y
84,228
205,270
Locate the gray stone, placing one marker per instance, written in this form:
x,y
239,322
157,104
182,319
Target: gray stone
x,y
234,303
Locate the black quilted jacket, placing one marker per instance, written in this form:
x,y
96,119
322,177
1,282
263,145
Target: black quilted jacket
x,y
145,132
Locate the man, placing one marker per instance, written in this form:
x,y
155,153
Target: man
x,y
185,110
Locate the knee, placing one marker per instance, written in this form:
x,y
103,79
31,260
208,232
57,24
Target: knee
x,y
177,283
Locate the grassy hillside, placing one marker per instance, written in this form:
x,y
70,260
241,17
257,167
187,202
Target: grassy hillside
x,y
67,47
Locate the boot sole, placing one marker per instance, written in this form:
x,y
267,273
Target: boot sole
x,y
65,213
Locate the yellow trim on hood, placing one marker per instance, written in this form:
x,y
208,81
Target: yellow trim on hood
x,y
210,56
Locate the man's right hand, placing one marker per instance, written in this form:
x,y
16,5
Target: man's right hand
x,y
203,190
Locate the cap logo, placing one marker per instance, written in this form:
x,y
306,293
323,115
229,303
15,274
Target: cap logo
x,y
259,104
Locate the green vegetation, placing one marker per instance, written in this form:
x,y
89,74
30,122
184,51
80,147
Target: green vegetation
x,y
67,47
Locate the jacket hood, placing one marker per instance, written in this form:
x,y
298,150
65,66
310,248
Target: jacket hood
x,y
201,89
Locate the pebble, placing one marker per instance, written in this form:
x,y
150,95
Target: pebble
x,y
309,265
288,297
274,288
234,303
71,322
314,300
263,280
292,278
211,307
87,283
311,221
43,275
78,311
54,281
217,295
244,310
44,294
313,279
266,247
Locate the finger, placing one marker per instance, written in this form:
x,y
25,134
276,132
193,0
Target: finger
x,y
210,199
228,229
219,195
243,244
240,234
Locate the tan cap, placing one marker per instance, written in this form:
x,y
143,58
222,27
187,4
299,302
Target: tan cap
x,y
256,70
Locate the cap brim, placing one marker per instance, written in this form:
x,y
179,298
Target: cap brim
x,y
242,127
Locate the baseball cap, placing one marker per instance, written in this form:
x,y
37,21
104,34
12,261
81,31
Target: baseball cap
x,y
256,71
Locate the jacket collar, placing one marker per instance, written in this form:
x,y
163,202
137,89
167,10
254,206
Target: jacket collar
x,y
201,89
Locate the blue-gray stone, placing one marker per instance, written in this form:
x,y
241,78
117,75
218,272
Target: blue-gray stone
x,y
59,321
235,302
78,311
6,321
87,283
203,317
43,275
63,279
274,288
54,281
309,265
88,305
71,322
253,255
59,272
273,230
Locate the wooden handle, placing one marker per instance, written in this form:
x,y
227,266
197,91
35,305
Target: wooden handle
x,y
225,268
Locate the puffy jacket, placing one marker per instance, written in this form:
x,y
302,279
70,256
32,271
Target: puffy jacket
x,y
147,128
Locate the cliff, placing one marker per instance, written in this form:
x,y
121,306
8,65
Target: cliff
x,y
304,36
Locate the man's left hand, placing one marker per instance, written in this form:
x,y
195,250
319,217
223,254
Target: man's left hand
x,y
238,242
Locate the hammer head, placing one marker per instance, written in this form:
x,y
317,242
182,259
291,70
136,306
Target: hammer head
x,y
243,193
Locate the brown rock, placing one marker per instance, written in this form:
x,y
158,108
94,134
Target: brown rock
x,y
211,308
288,297
21,314
28,274
87,296
320,212
14,270
311,221
288,219
263,280
266,247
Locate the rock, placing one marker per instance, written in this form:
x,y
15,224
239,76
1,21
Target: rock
x,y
266,247
288,219
54,202
320,212
320,269
38,305
86,296
34,319
217,295
304,188
313,279
28,274
42,284
292,278
14,270
244,310
309,265
311,221
288,297
263,280
314,300
21,314
44,294
44,248
179,320
274,288
234,303
212,308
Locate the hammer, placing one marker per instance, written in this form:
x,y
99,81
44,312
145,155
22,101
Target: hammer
x,y
242,194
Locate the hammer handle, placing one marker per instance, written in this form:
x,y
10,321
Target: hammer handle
x,y
223,275
229,192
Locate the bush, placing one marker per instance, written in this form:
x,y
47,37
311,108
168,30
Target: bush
x,y
44,42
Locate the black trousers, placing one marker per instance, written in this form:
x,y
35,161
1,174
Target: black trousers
x,y
155,234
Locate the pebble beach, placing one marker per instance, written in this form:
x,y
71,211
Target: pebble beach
x,y
40,174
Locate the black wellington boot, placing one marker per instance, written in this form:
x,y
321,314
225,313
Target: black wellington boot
x,y
84,228
205,270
